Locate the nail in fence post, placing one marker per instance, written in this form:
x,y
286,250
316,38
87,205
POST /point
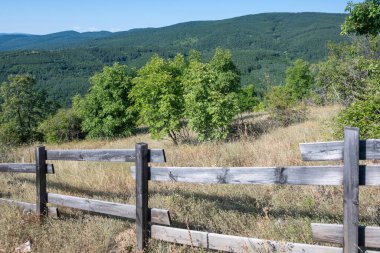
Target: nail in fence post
x,y
351,189
41,170
142,211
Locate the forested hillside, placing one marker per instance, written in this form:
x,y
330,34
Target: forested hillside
x,y
262,45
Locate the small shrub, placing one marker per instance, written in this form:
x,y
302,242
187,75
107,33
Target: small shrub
x,y
63,126
363,114
283,108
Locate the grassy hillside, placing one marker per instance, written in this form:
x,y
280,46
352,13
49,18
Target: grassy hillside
x,y
269,212
263,46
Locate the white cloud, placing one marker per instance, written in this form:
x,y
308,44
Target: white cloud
x,y
93,29
77,28
112,29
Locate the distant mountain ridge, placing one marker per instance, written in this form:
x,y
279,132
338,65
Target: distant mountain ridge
x,y
263,46
54,41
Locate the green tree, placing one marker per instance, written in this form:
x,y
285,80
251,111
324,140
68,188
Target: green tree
x,y
107,109
247,98
364,18
23,107
299,80
158,96
211,100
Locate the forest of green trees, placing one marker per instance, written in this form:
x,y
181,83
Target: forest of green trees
x,y
262,47
172,95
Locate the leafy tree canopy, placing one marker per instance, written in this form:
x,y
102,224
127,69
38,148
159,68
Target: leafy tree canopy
x,y
23,107
158,96
211,95
299,79
107,109
364,18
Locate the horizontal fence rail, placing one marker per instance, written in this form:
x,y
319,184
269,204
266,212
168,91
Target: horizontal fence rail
x,y
233,243
333,233
158,216
105,155
350,175
52,211
295,175
23,168
330,151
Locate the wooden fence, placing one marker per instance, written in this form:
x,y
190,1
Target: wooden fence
x,y
155,223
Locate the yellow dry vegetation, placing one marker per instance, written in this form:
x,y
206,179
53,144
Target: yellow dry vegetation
x,y
269,212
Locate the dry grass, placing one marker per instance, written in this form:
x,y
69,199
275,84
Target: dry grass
x,y
270,212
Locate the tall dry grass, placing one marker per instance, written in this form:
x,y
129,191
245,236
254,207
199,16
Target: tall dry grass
x,y
270,212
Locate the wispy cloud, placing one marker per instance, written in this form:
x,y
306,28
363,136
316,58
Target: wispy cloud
x,y
93,29
81,29
112,29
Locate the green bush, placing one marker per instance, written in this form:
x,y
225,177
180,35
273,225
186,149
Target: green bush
x,y
63,126
283,108
363,114
247,98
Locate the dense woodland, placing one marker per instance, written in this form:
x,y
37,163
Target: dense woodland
x,y
262,47
201,91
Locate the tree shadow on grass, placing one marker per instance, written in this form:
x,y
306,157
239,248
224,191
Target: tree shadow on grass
x,y
87,192
246,127
261,207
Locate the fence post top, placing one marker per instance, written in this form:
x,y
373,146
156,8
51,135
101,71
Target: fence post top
x,y
351,128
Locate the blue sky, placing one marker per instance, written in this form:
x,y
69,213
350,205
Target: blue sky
x,y
48,16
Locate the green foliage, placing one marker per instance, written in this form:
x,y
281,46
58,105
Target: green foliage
x,y
211,100
351,72
283,108
363,114
23,107
262,45
247,98
158,96
364,18
63,126
299,80
107,109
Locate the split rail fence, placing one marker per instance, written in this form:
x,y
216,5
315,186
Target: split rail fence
x,y
155,223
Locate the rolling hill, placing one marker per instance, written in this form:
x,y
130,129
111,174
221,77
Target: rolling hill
x,y
263,46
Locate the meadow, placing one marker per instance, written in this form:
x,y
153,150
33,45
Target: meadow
x,y
282,213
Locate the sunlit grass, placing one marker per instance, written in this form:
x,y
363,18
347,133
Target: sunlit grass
x,y
269,212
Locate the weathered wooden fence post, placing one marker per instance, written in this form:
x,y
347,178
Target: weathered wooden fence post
x,y
351,189
142,211
41,170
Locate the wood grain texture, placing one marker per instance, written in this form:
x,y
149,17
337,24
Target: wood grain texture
x,y
296,175
333,233
23,168
351,190
232,243
142,210
52,211
41,170
159,216
104,155
327,151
